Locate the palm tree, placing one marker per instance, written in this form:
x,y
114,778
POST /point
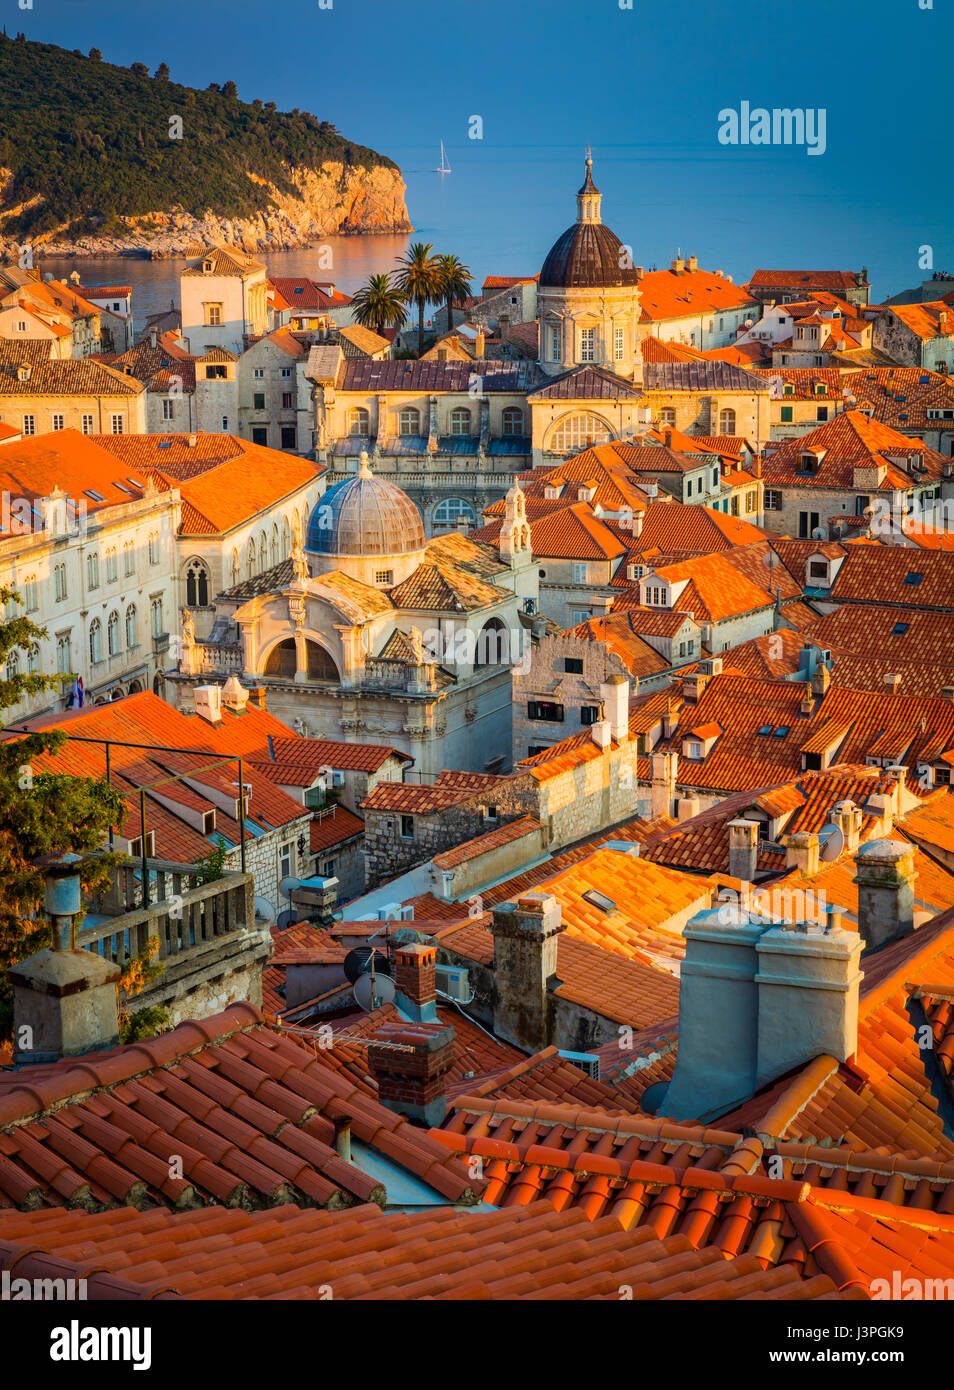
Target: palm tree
x,y
419,278
455,283
379,304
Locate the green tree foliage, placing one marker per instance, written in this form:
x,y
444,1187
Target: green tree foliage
x,y
162,72
138,972
69,130
419,279
379,304
212,867
455,278
40,812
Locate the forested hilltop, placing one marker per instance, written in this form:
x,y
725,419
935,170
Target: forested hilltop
x,y
87,149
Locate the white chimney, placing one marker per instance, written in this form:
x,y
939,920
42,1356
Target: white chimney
x,y
802,852
615,696
774,995
234,695
663,768
193,440
601,733
208,703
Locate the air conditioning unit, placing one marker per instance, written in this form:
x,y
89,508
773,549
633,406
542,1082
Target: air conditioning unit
x,y
586,1061
453,981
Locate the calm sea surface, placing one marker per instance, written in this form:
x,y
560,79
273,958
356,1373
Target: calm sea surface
x,y
501,208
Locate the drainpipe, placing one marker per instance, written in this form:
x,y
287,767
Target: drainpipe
x,y
343,1137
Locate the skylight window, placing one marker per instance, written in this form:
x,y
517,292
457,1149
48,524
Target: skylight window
x,y
765,730
164,444
599,900
899,629
781,731
94,496
913,578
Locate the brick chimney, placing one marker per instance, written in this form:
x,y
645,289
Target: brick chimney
x,y
663,768
526,936
409,1062
256,696
415,978
479,345
64,1000
775,996
743,849
802,852
885,875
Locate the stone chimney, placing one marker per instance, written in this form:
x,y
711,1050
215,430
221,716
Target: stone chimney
x,y
885,876
847,817
479,345
64,1000
526,936
692,263
600,733
234,695
410,1062
614,693
775,997
821,680
663,769
802,852
415,979
743,849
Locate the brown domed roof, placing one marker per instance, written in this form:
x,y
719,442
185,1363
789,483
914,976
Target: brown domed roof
x,y
587,256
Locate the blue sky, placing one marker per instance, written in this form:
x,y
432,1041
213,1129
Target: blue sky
x,y
645,86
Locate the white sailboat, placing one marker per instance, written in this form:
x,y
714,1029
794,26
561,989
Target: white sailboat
x,y
445,167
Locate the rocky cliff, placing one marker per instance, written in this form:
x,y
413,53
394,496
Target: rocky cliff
x,y
336,199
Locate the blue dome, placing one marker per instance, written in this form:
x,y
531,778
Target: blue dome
x,y
364,516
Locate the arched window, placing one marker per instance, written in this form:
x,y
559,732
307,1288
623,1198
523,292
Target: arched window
x,y
579,432
359,421
460,420
111,570
92,571
29,593
197,585
454,514
410,421
95,641
116,694
512,421
33,660
275,555
282,661
155,609
131,626
262,552
286,538
667,417
134,687
727,421
234,568
251,557
112,634
13,666
492,645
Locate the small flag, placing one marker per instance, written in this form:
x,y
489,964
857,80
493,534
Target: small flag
x,y
77,694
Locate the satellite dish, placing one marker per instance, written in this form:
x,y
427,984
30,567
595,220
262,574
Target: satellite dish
x,y
285,919
288,886
832,843
264,909
819,533
372,993
358,963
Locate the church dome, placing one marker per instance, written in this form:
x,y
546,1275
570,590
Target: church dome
x,y
365,516
588,255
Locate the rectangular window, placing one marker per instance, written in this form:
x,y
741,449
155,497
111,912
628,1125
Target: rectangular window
x,y
289,437
88,424
751,501
384,576
260,435
259,373
587,344
225,424
581,572
288,400
213,315
787,414
556,343
407,827
168,410
573,665
589,714
258,400
329,868
116,425
544,709
773,500
807,524
217,372
57,422
619,343
29,424
821,412
286,373
285,861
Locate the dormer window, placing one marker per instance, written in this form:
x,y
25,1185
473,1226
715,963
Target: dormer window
x,y
808,463
207,266
789,389
23,372
820,388
552,492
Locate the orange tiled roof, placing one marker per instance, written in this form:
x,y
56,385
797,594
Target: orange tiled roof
x,y
848,441
666,295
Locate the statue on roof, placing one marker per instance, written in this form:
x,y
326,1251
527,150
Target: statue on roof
x,y
300,570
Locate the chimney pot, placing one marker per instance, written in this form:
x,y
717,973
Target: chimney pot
x,y
415,978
